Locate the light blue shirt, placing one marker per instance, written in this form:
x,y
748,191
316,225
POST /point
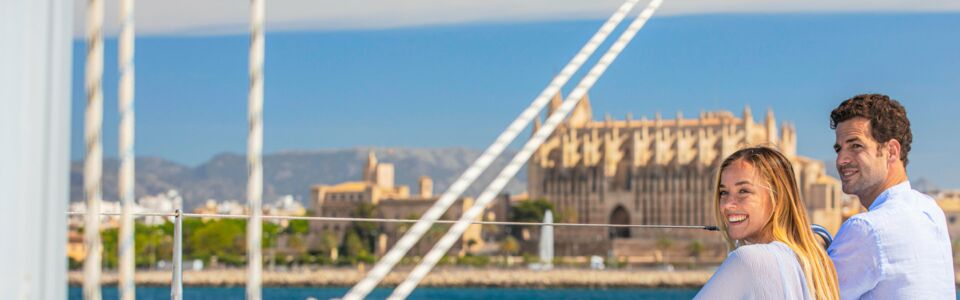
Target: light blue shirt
x,y
898,249
759,271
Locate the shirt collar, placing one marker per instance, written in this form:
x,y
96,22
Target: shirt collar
x,y
900,187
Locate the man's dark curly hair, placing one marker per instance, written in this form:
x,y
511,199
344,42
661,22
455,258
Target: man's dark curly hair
x,y
888,119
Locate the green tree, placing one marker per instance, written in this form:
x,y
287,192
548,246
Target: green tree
x,y
295,234
532,210
225,239
403,227
328,242
271,232
436,232
473,260
367,232
696,248
108,240
353,246
509,246
152,244
471,243
298,227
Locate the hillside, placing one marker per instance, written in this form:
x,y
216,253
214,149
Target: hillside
x,y
224,176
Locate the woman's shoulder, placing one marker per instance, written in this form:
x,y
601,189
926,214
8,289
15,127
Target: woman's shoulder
x,y
749,272
760,255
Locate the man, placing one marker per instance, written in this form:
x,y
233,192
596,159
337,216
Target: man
x,y
899,248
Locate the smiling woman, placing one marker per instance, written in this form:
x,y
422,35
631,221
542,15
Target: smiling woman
x,y
745,203
761,214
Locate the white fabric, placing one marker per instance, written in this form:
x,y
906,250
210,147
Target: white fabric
x,y
760,271
899,249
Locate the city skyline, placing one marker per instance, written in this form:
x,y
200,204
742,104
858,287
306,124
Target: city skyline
x,y
406,87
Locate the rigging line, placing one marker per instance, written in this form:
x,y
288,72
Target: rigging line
x,y
126,182
389,220
93,157
386,263
447,241
255,150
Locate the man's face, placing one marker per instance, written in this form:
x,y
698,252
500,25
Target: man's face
x,y
862,166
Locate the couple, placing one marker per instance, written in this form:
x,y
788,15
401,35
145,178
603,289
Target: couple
x,y
898,249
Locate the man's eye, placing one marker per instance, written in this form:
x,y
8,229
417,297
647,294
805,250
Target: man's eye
x,y
857,146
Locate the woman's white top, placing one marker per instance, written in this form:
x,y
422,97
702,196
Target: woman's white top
x,y
760,271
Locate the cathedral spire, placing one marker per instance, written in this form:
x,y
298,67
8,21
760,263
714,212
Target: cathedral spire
x,y
771,123
370,170
536,125
581,114
748,131
747,114
555,103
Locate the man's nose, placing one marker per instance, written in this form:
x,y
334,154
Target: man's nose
x,y
842,158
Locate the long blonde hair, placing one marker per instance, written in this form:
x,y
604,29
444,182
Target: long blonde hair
x,y
788,223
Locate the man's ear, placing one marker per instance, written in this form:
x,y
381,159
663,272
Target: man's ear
x,y
893,147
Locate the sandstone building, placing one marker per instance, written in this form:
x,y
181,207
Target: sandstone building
x,y
656,171
396,202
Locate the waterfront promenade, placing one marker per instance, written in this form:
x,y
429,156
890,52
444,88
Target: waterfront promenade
x,y
441,277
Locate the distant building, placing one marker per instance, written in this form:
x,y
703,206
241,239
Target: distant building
x,y
106,222
284,206
850,206
949,201
75,247
390,201
167,202
229,207
659,171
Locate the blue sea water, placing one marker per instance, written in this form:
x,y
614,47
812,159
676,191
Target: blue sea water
x,y
148,293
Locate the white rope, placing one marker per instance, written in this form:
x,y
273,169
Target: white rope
x,y
388,261
92,162
254,149
388,220
134,214
127,165
441,248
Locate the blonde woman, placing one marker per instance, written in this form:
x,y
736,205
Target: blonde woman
x,y
763,218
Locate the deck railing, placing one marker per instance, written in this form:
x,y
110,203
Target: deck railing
x,y
176,284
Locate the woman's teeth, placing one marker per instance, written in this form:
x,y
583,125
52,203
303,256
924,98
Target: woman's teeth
x,y
733,219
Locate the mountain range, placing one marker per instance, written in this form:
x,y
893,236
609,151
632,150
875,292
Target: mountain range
x,y
224,176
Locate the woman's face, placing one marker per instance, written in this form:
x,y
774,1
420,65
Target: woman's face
x,y
745,202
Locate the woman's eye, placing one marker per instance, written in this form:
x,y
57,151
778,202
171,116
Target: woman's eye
x,y
723,193
744,191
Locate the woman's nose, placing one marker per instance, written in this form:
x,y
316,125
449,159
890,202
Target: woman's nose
x,y
727,205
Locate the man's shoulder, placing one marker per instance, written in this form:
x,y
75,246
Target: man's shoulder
x,y
860,226
864,220
904,209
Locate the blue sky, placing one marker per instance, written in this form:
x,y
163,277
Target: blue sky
x,y
459,85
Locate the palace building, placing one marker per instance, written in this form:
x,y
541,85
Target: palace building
x,y
393,201
656,171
